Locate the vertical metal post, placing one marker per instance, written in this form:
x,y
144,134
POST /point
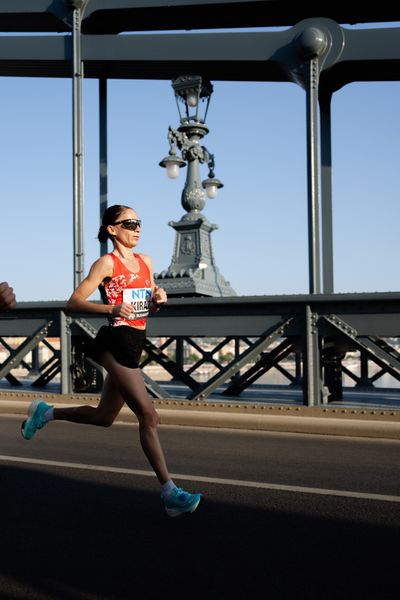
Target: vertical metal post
x,y
65,353
179,353
236,375
103,147
326,194
333,377
312,69
35,367
364,380
298,372
312,376
77,117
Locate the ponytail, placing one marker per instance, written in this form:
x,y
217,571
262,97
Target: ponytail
x,y
103,234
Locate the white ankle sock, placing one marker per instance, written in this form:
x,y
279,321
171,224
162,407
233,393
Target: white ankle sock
x,y
167,488
49,414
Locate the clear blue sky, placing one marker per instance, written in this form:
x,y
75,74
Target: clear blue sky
x,y
257,133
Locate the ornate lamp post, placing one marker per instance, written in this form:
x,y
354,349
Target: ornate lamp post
x,y
192,271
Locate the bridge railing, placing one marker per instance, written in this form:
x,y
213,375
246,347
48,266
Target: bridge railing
x,y
230,342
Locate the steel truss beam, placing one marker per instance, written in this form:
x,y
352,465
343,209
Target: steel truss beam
x,y
49,369
372,347
243,359
207,356
155,354
267,361
155,390
27,346
101,16
11,350
362,55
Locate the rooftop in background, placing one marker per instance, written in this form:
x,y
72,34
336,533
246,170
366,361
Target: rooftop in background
x,y
116,16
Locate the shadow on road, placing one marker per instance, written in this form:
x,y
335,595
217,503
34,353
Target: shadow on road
x,y
63,539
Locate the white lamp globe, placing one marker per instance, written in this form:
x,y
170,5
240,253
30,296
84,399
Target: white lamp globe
x,y
172,171
191,99
211,191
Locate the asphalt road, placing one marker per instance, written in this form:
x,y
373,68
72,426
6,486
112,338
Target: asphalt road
x,y
81,516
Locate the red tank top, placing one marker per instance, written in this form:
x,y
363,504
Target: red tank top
x,y
128,287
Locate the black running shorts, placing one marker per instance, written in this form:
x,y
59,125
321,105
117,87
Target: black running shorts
x,y
123,342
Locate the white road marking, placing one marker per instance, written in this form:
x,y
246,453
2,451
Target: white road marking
x,y
198,478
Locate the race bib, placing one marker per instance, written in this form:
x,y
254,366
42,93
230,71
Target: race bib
x,y
140,300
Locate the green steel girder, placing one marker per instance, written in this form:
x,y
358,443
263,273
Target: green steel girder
x,y
48,363
262,366
385,346
349,55
10,349
86,327
154,389
101,16
27,346
380,356
377,350
269,336
52,369
367,317
169,365
207,356
13,380
312,384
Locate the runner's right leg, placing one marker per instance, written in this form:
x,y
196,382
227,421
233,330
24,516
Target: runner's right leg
x,y
103,415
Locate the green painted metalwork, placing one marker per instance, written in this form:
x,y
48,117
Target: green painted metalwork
x,y
319,330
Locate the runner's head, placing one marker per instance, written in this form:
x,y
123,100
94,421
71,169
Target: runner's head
x,y
116,216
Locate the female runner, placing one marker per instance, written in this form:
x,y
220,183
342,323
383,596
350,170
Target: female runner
x,y
126,284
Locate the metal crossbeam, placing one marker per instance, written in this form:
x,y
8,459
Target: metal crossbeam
x,y
380,356
13,380
27,346
207,356
381,353
50,361
170,366
385,346
11,350
154,388
350,374
135,15
241,56
266,362
86,327
248,355
51,371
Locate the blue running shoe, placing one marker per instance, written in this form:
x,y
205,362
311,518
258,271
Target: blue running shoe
x,y
181,502
35,419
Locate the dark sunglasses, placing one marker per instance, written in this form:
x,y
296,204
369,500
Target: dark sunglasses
x,y
131,224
